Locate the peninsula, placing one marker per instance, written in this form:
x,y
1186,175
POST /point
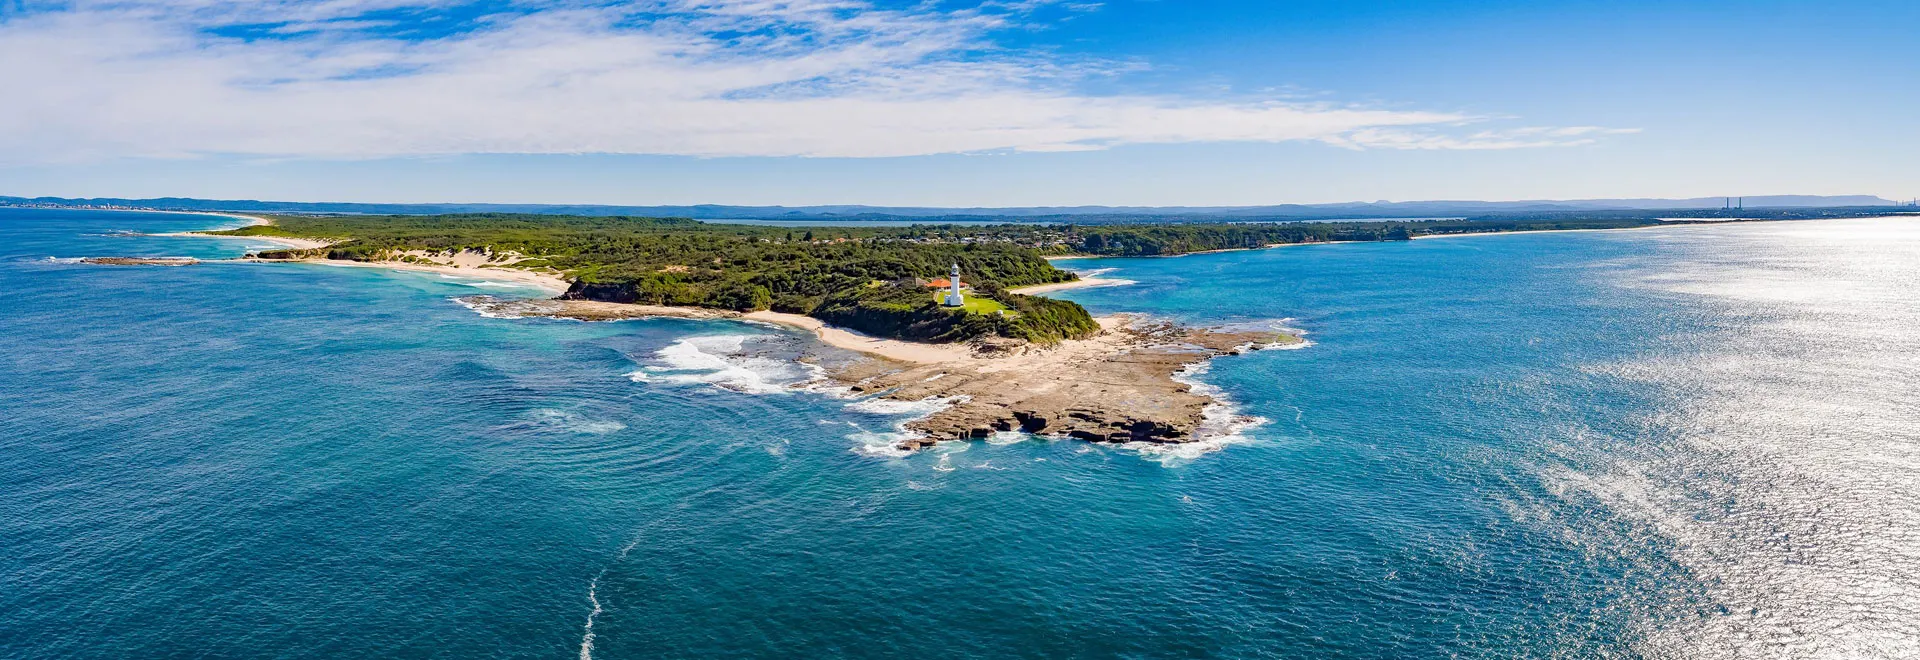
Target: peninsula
x,y
1002,358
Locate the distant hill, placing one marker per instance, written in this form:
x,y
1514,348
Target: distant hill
x,y
1356,210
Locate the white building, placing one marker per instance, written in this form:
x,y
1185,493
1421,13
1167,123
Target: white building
x,y
953,289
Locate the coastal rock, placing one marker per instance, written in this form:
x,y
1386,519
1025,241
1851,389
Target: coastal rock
x,y
598,292
1116,387
141,261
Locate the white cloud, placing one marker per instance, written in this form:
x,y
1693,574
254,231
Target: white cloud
x,y
340,79
1516,138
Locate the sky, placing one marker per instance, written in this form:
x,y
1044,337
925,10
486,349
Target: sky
x,y
957,103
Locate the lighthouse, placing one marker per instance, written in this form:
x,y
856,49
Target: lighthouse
x,y
953,289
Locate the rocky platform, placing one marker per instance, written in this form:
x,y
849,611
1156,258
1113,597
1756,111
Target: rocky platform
x,y
1116,387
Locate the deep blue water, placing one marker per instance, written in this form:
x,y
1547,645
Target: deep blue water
x,y
1679,442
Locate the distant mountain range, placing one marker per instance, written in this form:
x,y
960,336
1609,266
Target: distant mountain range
x,y
1382,209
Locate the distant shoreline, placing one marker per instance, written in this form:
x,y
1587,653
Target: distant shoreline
x,y
252,221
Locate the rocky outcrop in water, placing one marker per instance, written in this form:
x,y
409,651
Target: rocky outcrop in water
x,y
1118,387
141,261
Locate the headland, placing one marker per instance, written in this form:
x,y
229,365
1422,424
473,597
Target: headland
x,y
1005,360
1117,385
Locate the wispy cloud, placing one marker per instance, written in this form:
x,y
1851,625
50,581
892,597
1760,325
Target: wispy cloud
x,y
832,78
1531,137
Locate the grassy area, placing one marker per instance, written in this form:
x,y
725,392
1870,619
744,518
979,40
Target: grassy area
x,y
975,304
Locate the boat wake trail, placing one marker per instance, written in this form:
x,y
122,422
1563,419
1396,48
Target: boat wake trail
x,y
593,597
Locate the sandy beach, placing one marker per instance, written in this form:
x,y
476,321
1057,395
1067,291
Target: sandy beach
x,y
551,283
891,349
1082,283
252,220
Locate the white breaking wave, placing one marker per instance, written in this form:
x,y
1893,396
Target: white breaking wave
x,y
488,284
880,444
1008,437
722,361
488,307
886,445
918,409
1221,424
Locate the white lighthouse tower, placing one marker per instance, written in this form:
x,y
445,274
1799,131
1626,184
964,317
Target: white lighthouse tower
x,y
953,289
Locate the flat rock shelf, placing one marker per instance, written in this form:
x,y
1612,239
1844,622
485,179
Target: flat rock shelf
x,y
1118,386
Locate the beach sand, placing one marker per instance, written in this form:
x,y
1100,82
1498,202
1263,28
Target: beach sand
x,y
252,220
551,283
1082,283
891,349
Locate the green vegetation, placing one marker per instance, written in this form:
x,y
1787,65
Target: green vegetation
x,y
903,309
829,273
866,277
1152,240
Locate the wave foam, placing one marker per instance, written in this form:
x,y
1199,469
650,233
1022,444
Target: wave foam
x,y
723,361
918,409
1008,437
880,444
886,445
486,284
1221,424
490,307
571,422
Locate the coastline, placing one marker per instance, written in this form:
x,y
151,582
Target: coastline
x,y
1082,283
552,283
1423,237
891,349
1120,385
252,221
1126,384
1268,246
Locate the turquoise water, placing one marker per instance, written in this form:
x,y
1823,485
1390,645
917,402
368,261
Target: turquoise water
x,y
1681,442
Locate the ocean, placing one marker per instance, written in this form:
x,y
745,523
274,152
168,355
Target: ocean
x,y
1682,442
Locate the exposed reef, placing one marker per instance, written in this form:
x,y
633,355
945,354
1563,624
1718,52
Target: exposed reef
x,y
141,261
1119,386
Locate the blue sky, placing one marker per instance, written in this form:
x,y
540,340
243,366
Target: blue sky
x,y
1029,102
